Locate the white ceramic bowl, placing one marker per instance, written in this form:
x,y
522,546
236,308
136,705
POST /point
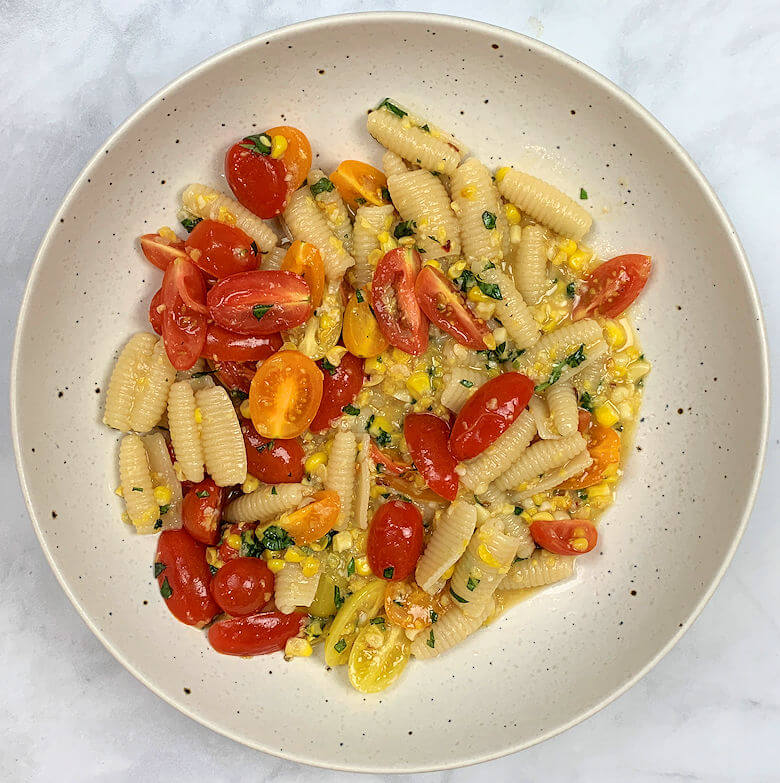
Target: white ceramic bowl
x,y
689,486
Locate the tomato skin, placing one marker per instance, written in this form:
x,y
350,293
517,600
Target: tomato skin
x,y
612,286
427,438
257,181
187,576
281,462
201,515
565,536
236,376
297,156
488,413
183,329
400,318
161,251
283,299
312,521
408,606
243,586
604,449
155,315
583,421
446,307
357,180
256,634
304,259
225,551
220,250
389,465
360,332
395,540
226,346
339,388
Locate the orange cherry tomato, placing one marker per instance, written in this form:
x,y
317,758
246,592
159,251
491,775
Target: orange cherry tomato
x,y
359,183
408,606
313,521
565,536
285,395
161,251
305,259
297,156
604,448
612,286
360,330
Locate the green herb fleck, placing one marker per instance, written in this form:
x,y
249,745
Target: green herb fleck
x,y
378,621
267,446
165,509
273,491
360,201
369,422
388,572
387,104
405,228
276,539
238,394
250,546
202,493
466,382
158,524
254,248
458,598
328,367
340,645
190,223
165,589
573,360
471,583
434,616
586,403
571,289
489,289
385,194
518,510
465,280
359,296
431,640
351,410
351,566
425,128
582,495
323,185
259,143
384,438
203,373
159,568
259,310
583,193
138,489
213,569
489,220
338,599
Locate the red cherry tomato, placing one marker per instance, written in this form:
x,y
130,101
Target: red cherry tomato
x,y
184,578
183,323
161,251
274,461
243,586
427,437
225,551
257,634
446,307
226,346
256,179
400,318
583,420
395,540
565,536
613,286
221,250
260,302
155,315
340,386
236,377
389,465
201,511
488,413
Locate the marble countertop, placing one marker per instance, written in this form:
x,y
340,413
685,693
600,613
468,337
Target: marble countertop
x,y
71,72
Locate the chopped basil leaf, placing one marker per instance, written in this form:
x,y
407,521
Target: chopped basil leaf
x,y
434,616
489,220
384,439
255,249
190,223
165,509
405,228
238,394
388,572
351,566
250,546
571,289
138,489
276,539
259,310
380,468
573,360
582,494
471,583
213,569
265,446
431,640
203,373
465,280
273,491
360,201
158,524
586,403
159,568
385,194
202,493
328,367
259,143
323,185
369,422
351,410
518,510
378,621
466,382
340,645
457,597
338,599
489,289
425,128
583,193
165,589
387,104
359,296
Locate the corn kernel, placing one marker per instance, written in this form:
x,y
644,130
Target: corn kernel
x,y
276,564
449,572
162,495
539,498
487,557
512,214
543,516
278,146
475,295
375,365
633,353
295,647
119,491
198,416
434,263
600,490
606,415
579,544
502,172
377,490
380,424
469,192
614,334
314,461
226,216
250,484
419,384
579,259
568,246
456,269
234,541
559,258
310,566
342,541
167,233
243,409
401,356
362,567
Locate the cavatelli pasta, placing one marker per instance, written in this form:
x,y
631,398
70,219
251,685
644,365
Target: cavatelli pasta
x,y
292,588
340,475
477,473
529,263
168,494
541,568
562,402
544,203
450,629
420,198
153,381
220,435
136,482
493,498
484,231
332,206
210,204
590,377
545,426
447,543
369,222
273,258
511,310
552,478
393,164
415,145
542,456
266,503
124,378
185,430
363,484
517,528
308,224
459,384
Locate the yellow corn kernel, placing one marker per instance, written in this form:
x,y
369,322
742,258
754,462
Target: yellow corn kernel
x,y
377,490
568,246
293,554
243,409
386,242
276,564
119,491
234,541
543,516
295,647
633,353
335,354
606,414
579,259
380,424
456,269
278,146
401,356
434,263
539,498
600,490
449,572
167,233
512,214
375,365
213,558
226,216
362,567
561,501
486,556
469,192
198,416
559,258
314,461
475,295
614,334
162,495
310,566
250,484
502,172
418,384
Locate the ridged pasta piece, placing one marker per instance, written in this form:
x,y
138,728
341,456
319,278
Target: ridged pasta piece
x,y
273,258
122,386
185,430
447,543
369,222
544,203
419,196
308,224
266,503
135,478
493,498
224,453
562,402
529,263
542,456
163,475
363,485
210,204
340,475
450,629
511,310
541,568
590,377
484,231
516,527
153,382
552,478
293,589
411,143
393,164
334,209
545,427
477,473
459,384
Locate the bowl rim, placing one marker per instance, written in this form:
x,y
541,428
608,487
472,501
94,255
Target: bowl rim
x,y
512,37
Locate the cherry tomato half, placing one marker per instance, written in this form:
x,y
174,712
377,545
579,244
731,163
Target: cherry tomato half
x,y
408,606
612,286
161,251
201,511
227,551
360,331
226,346
312,521
285,395
389,465
274,461
221,250
243,586
339,388
183,322
604,449
257,634
427,438
304,259
260,302
184,577
565,536
446,307
488,413
256,179
236,377
392,296
360,183
395,540
155,313
296,156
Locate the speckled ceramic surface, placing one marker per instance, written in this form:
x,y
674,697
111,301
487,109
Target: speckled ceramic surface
x,y
688,487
